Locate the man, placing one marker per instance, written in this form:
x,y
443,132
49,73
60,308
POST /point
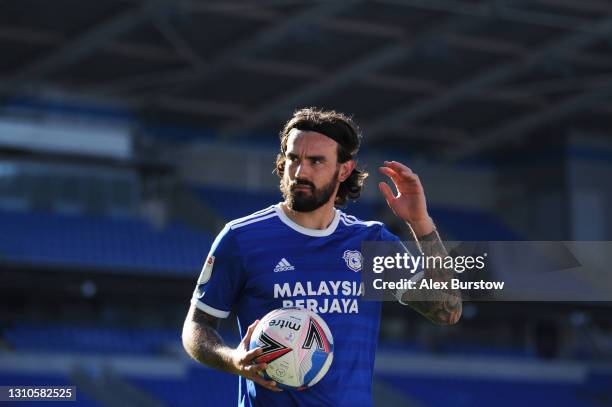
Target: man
x,y
259,263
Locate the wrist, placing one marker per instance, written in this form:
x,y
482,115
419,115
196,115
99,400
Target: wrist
x,y
422,227
233,362
225,358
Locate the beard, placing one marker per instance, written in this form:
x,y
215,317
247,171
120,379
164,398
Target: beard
x,y
307,201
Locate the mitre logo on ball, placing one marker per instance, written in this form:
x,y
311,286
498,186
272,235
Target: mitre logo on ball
x,y
353,259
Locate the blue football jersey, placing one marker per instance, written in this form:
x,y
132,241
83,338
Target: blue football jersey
x,y
266,261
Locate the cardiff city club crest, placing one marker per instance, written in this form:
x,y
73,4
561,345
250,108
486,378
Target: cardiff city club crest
x,y
352,259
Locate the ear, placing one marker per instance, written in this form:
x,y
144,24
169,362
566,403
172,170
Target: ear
x,y
345,170
280,165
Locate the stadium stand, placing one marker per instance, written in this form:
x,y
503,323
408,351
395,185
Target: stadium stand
x,y
115,244
483,392
91,339
119,115
190,390
125,357
471,225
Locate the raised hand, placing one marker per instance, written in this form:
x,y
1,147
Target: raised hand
x,y
409,203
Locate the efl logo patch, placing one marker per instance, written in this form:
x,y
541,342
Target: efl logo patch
x,y
206,270
352,259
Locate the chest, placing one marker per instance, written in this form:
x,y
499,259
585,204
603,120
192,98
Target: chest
x,y
304,260
310,273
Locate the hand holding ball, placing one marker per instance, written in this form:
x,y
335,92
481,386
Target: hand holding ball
x,y
297,347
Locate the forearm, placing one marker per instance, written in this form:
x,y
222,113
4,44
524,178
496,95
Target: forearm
x,y
441,306
204,344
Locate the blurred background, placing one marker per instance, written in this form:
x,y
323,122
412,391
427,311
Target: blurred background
x,y
132,130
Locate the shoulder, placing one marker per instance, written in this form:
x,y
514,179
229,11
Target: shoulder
x,y
358,225
234,231
376,230
354,222
252,221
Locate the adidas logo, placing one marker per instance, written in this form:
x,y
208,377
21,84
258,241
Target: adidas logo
x,y
283,265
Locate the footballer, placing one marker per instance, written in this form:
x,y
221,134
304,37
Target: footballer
x,y
304,252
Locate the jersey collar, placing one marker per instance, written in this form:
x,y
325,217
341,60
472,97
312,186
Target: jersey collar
x,y
307,231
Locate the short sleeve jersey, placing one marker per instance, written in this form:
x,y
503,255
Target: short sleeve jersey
x,y
266,261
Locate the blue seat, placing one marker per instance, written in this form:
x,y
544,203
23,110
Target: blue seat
x,y
101,243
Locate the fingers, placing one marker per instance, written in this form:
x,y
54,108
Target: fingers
x,y
252,327
390,173
403,178
246,361
386,191
268,384
247,337
251,370
256,368
251,355
398,167
392,168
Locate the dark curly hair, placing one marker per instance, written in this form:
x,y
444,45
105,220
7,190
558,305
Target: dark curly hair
x,y
338,127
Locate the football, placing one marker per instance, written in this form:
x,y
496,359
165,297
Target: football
x,y
297,346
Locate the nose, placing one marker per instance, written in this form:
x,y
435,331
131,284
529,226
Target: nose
x,y
302,171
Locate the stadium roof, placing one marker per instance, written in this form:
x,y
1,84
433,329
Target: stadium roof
x,y
452,76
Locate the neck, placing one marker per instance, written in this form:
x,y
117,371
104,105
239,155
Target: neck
x,y
320,218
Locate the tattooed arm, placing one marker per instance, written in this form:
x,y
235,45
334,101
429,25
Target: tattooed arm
x,y
204,344
441,306
409,204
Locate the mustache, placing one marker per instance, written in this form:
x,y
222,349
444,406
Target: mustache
x,y
302,182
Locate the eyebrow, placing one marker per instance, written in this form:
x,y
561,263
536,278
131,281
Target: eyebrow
x,y
309,157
